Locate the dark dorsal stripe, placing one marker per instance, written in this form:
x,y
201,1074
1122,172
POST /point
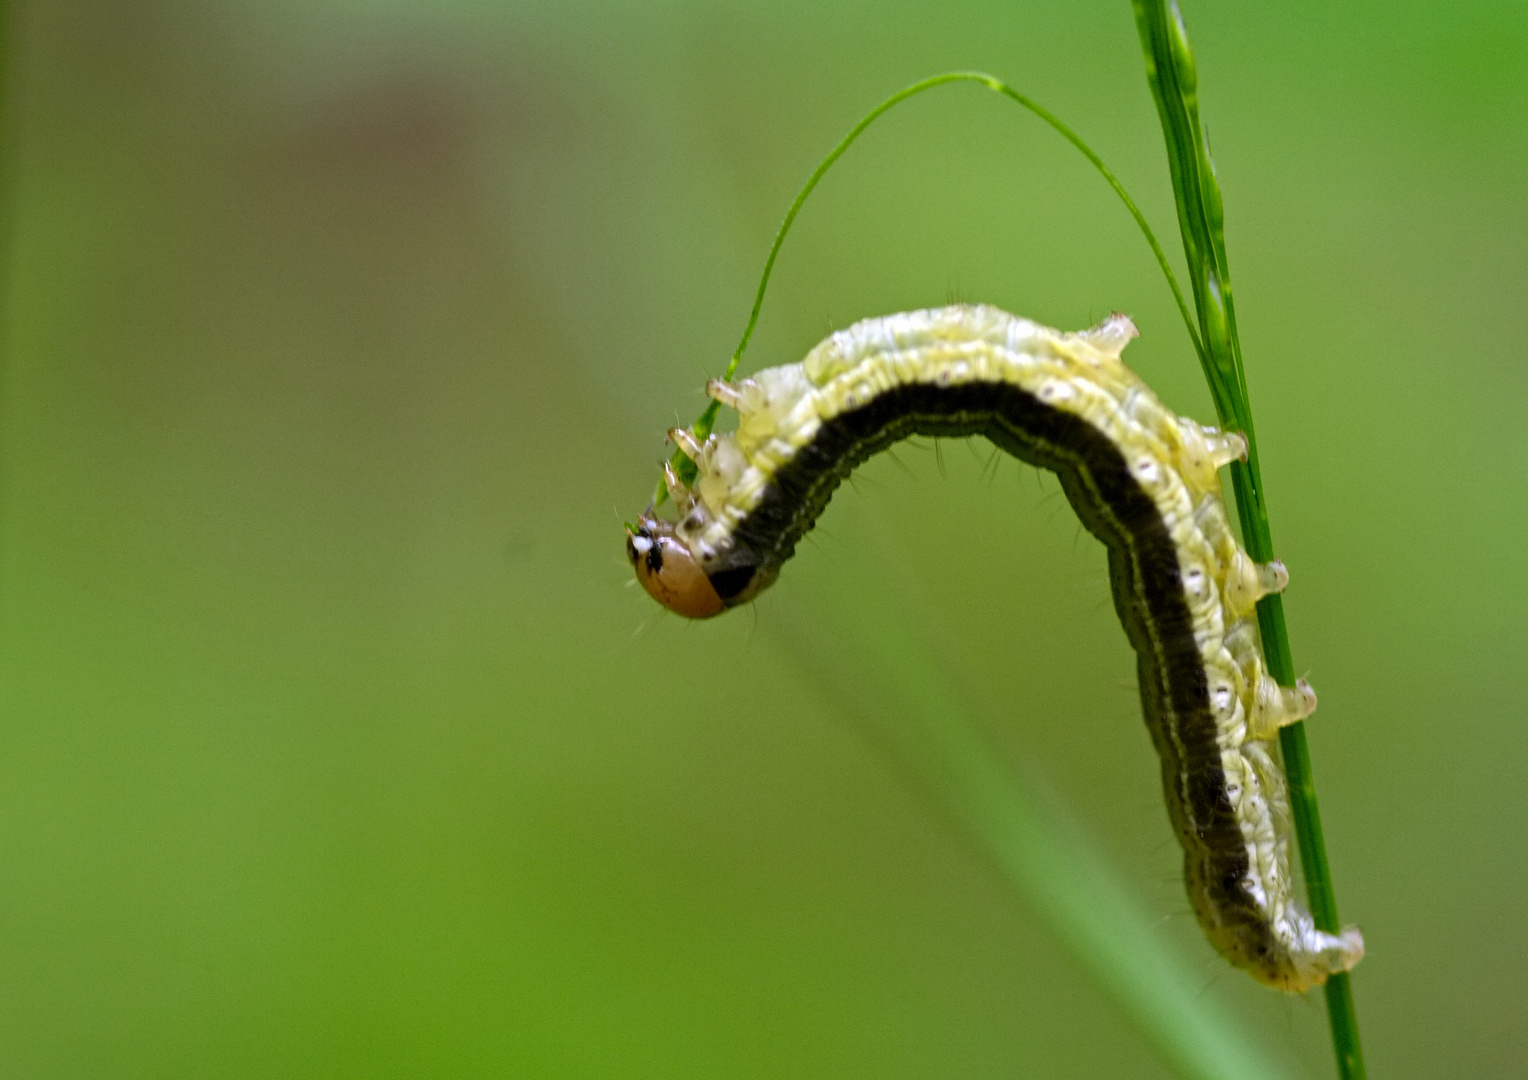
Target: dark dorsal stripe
x,y
1143,562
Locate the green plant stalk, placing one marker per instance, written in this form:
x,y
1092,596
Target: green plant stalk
x,y
1171,73
707,421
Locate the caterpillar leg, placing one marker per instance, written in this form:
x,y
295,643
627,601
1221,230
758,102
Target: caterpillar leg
x,y
1275,706
1315,954
1203,450
686,442
1248,582
1225,446
724,392
683,497
1112,335
1269,705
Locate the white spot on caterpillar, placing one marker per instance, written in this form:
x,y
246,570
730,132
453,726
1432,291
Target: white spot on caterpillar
x,y
1147,471
1196,584
1223,700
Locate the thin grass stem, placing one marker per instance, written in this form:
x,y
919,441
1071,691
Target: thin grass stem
x,y
707,420
1172,75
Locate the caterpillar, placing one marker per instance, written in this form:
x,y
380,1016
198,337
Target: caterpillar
x,y
1142,479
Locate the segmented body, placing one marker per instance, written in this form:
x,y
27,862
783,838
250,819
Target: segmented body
x,y
1144,481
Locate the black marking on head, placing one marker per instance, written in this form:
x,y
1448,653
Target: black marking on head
x,y
732,581
639,541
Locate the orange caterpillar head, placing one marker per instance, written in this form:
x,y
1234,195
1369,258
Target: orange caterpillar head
x,y
668,571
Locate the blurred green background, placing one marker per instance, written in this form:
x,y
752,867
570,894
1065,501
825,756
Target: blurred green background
x,y
340,338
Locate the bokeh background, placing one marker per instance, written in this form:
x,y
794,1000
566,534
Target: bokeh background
x,y
340,337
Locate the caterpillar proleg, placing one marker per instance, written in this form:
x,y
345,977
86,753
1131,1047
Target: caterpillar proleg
x,y
1142,479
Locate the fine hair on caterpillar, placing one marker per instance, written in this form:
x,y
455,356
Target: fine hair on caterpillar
x,y
1142,479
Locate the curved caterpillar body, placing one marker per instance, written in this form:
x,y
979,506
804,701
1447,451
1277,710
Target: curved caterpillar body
x,y
1143,480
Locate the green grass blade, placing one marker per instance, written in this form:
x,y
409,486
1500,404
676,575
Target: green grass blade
x,y
855,634
1171,73
707,421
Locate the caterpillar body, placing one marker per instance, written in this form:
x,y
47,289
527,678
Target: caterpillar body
x,y
1143,480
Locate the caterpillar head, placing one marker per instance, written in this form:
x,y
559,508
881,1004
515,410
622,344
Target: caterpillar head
x,y
668,571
